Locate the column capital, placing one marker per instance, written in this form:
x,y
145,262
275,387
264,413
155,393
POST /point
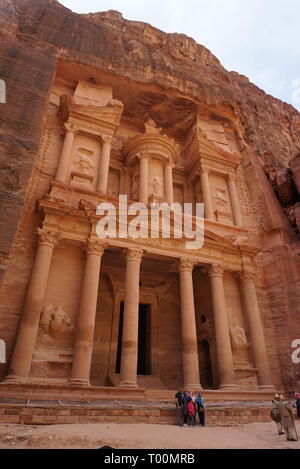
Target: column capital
x,y
231,177
143,155
72,128
247,276
186,265
203,169
215,270
48,238
107,139
168,163
133,254
94,246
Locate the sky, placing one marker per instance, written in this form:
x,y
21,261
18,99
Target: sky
x,y
256,38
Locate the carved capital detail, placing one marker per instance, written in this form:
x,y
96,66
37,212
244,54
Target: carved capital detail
x,y
48,238
107,139
69,127
143,154
95,247
231,177
186,264
216,270
134,254
169,163
203,169
247,276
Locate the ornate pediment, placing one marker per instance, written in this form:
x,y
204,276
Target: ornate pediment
x,y
152,142
80,113
202,151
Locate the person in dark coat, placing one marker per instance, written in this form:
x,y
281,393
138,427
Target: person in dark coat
x,y
297,396
179,407
185,408
200,409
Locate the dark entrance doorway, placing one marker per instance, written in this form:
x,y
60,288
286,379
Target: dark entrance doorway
x,y
206,376
144,340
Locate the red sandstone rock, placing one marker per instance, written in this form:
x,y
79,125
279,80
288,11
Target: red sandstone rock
x,y
35,34
295,168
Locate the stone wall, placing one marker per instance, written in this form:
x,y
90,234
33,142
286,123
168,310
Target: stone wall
x,y
53,415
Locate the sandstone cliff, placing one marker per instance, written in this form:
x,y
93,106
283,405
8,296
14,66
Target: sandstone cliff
x,y
35,34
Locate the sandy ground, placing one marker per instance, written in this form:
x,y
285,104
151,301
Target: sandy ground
x,y
255,435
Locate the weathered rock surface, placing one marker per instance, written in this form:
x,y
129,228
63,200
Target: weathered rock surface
x,y
35,34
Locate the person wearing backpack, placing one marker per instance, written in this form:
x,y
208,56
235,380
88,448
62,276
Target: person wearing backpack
x,y
200,409
276,415
179,407
287,419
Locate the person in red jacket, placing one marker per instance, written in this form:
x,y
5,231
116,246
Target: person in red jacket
x,y
191,412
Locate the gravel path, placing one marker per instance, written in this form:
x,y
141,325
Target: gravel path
x,y
255,435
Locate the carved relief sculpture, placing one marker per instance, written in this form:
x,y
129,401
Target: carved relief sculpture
x,y
239,343
55,324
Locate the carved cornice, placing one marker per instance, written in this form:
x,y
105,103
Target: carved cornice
x,y
96,119
48,238
215,270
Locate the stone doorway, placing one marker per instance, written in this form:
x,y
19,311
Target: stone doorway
x,y
144,340
206,375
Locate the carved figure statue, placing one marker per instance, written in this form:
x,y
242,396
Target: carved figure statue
x,y
151,128
55,322
156,185
84,162
221,197
238,338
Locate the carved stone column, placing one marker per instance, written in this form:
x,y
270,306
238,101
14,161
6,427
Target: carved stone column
x,y
128,371
144,179
236,209
83,348
169,191
22,355
223,342
190,360
208,206
256,332
65,155
104,164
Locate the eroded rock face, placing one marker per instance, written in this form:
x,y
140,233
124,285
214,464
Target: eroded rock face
x,y
36,34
